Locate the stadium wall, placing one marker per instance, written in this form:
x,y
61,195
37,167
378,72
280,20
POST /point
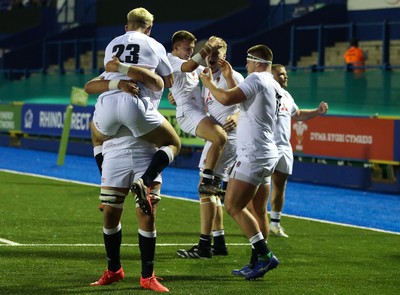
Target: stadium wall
x,y
351,151
377,93
221,19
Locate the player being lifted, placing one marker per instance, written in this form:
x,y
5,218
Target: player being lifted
x,y
190,112
114,108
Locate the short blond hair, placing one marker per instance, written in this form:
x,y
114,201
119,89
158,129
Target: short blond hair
x,y
139,18
223,47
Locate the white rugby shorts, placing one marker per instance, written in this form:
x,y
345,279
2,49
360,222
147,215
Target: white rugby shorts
x,y
189,120
119,108
254,171
122,167
285,162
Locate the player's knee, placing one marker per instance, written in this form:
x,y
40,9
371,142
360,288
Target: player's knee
x,y
112,198
176,145
221,138
172,139
231,209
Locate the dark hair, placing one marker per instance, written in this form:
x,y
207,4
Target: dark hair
x,y
182,35
354,42
261,51
275,67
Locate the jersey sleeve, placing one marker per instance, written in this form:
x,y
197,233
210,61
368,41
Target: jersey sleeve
x,y
199,69
103,75
176,63
294,109
108,55
238,77
250,85
164,67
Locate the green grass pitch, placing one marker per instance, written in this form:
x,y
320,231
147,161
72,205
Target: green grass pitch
x,y
51,243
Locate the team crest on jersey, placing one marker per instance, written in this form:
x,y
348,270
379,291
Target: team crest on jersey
x,y
218,79
238,163
195,77
284,107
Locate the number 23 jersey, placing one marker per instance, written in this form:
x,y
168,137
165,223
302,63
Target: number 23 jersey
x,y
138,49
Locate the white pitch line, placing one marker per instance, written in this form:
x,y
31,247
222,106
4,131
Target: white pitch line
x,y
343,224
191,200
102,245
8,242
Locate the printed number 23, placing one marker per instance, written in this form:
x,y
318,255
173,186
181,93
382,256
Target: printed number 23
x,y
132,54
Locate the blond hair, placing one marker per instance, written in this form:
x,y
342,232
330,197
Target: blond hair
x,y
139,18
223,47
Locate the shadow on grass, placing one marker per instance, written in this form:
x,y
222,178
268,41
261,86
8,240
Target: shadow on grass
x,y
195,236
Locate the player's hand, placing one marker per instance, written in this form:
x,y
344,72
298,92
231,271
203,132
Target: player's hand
x,y
171,98
230,123
129,86
206,77
323,108
112,65
213,45
226,68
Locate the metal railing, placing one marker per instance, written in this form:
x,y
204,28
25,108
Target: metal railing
x,y
387,32
57,52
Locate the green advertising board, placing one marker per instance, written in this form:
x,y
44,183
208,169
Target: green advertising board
x,y
186,139
10,117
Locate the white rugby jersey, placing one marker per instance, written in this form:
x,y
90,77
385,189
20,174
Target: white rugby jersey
x,y
258,115
138,49
186,88
215,108
283,125
124,140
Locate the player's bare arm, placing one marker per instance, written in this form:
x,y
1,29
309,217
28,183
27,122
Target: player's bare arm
x,y
171,98
304,115
196,60
225,97
148,78
227,72
99,85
